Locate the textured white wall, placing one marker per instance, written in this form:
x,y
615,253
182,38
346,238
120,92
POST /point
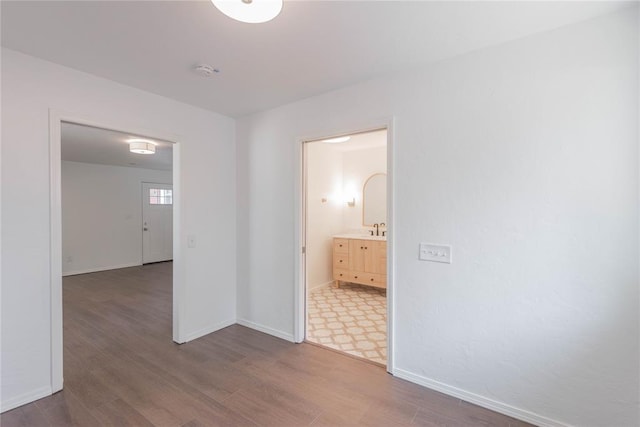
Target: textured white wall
x,y
102,215
524,157
30,87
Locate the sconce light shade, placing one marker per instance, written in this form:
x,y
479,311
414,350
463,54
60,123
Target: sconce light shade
x,y
250,11
142,147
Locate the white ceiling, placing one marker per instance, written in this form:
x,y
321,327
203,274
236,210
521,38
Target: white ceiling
x,y
87,144
311,48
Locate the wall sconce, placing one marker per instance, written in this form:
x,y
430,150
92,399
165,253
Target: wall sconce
x,y
338,198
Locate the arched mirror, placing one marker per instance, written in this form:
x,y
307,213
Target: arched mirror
x,y
374,200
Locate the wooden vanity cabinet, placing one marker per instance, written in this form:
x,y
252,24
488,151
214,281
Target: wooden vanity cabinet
x,y
360,261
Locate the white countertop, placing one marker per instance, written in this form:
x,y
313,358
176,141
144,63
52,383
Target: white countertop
x,y
360,236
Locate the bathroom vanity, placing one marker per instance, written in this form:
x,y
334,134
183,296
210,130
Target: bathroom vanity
x,y
360,259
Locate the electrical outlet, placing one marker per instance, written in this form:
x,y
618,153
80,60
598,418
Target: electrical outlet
x,y
435,253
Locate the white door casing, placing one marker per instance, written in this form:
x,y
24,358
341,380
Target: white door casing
x,y
300,228
56,117
157,222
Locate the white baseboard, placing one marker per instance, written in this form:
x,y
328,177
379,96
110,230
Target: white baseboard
x,y
209,329
25,398
485,402
321,285
97,269
266,330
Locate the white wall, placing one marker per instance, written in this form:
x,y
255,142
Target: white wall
x,y
524,157
102,215
30,87
324,219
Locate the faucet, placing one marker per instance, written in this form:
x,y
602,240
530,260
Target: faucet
x,y
377,227
382,224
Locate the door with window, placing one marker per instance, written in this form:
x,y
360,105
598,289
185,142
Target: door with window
x,y
157,222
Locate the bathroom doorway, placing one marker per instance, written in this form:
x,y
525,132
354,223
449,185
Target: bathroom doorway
x,y
345,241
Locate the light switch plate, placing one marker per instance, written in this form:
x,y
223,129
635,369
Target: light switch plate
x,y
435,253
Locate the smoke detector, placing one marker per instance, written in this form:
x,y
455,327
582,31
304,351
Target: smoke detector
x,y
205,70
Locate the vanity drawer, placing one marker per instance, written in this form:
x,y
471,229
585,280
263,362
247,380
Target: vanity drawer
x,y
340,246
379,280
342,275
370,279
340,261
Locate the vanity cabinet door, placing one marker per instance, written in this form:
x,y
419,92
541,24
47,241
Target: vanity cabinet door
x,y
368,256
357,255
377,258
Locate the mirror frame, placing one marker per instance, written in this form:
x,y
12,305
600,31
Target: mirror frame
x,y
363,197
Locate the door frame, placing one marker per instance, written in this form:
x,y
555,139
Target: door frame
x,y
300,273
56,117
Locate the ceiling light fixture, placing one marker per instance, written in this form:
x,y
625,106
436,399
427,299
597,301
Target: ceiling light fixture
x,y
250,11
142,146
336,140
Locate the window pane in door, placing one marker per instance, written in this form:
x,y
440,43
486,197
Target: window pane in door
x,y
160,196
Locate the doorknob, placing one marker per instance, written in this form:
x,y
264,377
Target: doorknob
x,y
145,229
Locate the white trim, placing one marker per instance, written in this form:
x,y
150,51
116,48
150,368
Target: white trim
x,y
56,117
25,398
179,268
479,400
321,285
97,269
391,245
208,330
55,248
299,227
267,330
300,239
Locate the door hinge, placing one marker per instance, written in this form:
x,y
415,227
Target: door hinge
x,y
304,249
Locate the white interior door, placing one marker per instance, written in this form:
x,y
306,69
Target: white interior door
x,y
157,222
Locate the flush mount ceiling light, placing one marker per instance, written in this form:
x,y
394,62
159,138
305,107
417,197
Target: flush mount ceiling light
x,y
336,140
141,146
250,11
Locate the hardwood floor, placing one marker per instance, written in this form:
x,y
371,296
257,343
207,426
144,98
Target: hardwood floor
x,y
122,369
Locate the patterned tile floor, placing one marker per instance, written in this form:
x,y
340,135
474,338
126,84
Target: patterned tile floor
x,y
351,318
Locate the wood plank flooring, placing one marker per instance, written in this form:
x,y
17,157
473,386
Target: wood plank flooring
x,y
122,369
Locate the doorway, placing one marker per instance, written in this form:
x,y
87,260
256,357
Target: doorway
x,y
345,232
63,263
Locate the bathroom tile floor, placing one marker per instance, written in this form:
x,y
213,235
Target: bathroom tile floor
x,y
351,318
